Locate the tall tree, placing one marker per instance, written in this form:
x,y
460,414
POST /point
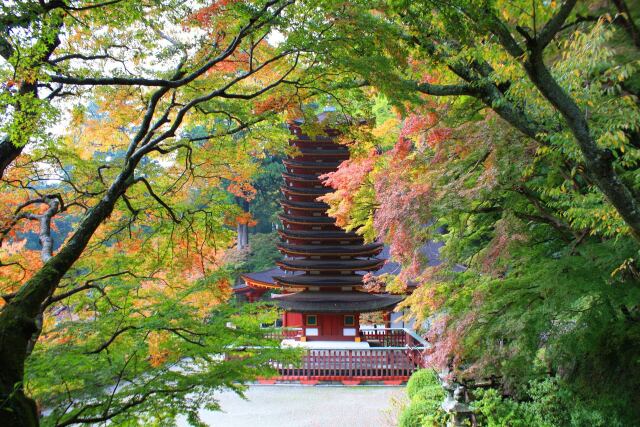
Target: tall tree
x,y
505,56
139,171
535,291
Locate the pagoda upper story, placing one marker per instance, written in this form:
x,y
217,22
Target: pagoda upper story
x,y
323,264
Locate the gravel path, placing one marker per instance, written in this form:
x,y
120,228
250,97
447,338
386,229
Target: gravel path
x,y
307,406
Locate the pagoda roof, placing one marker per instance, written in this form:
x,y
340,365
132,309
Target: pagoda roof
x,y
336,302
306,191
318,235
325,151
312,206
266,277
301,177
337,250
310,165
312,220
263,278
331,265
305,280
314,143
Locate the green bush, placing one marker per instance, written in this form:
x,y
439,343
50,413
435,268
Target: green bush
x,y
492,410
425,383
420,413
545,403
426,396
548,403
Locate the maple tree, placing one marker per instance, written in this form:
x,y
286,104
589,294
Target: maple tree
x,y
506,131
129,130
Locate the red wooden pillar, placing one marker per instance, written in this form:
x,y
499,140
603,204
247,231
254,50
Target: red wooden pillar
x,y
386,318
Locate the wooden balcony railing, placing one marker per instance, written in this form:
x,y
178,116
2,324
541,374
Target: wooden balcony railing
x,y
385,337
395,353
374,364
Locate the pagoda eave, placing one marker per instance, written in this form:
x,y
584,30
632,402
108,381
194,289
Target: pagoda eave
x,y
371,249
312,145
300,164
311,206
256,283
319,234
320,241
305,191
341,265
310,220
326,150
298,177
336,302
308,280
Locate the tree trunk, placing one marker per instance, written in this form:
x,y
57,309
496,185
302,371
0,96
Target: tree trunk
x,y
243,236
8,150
16,329
243,229
8,153
18,318
627,21
598,162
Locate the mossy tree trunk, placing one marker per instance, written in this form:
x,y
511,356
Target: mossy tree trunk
x,y
18,319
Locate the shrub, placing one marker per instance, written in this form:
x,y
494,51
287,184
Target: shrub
x,y
425,383
549,404
426,396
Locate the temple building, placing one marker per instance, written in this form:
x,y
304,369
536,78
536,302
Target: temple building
x,y
319,281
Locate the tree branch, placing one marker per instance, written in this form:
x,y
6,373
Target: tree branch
x,y
113,337
447,90
554,25
173,216
175,83
89,284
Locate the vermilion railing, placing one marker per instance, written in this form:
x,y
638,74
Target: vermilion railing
x,y
394,355
338,364
385,337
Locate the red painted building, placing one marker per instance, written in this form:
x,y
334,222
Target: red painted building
x,y
320,278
